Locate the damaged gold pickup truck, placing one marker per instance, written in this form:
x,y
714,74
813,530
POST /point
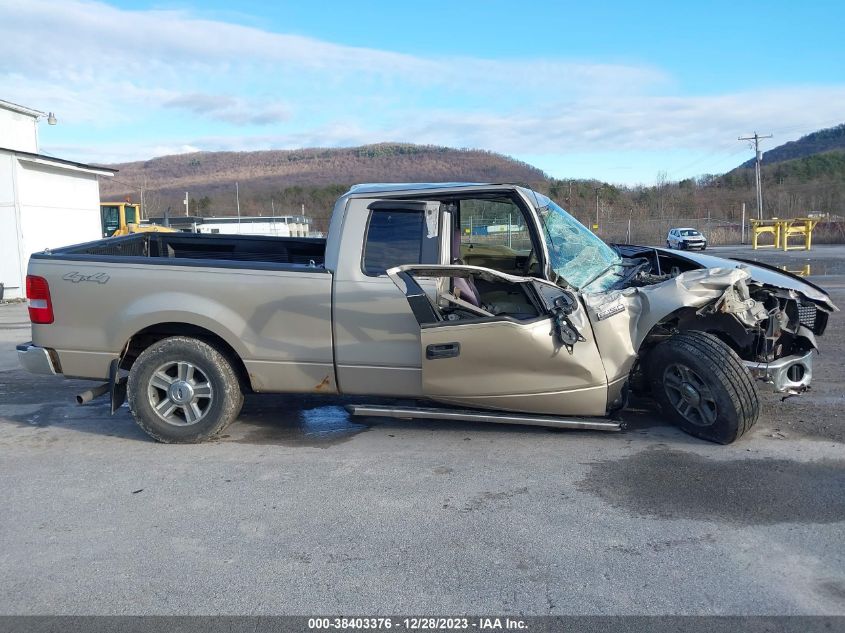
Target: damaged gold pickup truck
x,y
487,298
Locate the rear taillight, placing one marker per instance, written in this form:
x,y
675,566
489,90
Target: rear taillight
x,y
38,294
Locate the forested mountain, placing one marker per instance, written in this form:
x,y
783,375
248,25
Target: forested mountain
x,y
816,143
285,180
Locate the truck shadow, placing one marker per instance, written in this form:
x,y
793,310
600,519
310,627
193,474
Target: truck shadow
x,y
319,421
322,421
316,421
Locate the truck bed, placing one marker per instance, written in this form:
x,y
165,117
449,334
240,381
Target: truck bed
x,y
192,248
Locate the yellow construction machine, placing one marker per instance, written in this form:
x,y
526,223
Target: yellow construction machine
x,y
123,218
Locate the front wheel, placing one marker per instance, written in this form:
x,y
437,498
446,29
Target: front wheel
x,y
703,387
183,390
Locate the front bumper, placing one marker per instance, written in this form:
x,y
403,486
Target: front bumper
x,y
35,359
790,374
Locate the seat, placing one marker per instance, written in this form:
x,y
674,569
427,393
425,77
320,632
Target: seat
x,y
463,287
497,301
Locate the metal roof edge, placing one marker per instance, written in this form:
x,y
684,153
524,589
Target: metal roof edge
x,y
62,162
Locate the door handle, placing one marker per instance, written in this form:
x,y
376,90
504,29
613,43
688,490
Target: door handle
x,y
446,350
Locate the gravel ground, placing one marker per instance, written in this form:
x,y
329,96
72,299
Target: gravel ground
x,y
301,510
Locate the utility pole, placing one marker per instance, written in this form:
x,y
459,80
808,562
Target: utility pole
x,y
597,207
509,229
238,204
757,158
187,201
143,205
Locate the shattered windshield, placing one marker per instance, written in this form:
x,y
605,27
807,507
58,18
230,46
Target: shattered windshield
x,y
576,253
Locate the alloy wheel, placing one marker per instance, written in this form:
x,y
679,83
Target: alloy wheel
x,y
689,395
180,393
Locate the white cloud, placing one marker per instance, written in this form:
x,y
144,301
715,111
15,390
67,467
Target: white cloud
x,y
101,55
80,41
229,109
136,83
638,122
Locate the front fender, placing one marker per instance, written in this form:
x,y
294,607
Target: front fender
x,y
621,319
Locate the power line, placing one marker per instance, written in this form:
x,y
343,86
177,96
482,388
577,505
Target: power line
x,y
709,158
757,157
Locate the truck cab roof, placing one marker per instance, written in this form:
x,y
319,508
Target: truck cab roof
x,y
389,187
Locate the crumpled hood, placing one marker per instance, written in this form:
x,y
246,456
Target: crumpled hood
x,y
621,319
762,274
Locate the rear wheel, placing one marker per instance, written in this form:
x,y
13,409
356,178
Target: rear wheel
x,y
703,387
183,390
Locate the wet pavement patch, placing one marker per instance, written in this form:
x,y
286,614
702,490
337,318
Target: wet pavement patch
x,y
673,484
293,422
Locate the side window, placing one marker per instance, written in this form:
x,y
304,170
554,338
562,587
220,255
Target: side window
x,y
494,235
396,237
110,216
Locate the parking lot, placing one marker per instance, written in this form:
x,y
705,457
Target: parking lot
x,y
299,509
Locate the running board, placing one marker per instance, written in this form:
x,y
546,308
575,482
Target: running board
x,y
421,413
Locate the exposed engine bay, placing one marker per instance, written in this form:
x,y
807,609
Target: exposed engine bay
x,y
770,318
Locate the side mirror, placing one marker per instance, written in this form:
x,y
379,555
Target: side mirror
x,y
565,303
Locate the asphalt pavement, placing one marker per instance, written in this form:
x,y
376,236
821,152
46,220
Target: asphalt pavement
x,y
301,510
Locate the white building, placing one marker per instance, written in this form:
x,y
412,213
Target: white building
x,y
277,226
45,202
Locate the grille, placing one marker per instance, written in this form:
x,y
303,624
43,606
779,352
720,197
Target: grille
x,y
807,314
813,318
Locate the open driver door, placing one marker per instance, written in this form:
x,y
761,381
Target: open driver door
x,y
504,342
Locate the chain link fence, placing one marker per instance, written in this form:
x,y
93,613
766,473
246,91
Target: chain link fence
x,y
653,232
510,231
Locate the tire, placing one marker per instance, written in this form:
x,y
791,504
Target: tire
x,y
668,245
703,387
183,390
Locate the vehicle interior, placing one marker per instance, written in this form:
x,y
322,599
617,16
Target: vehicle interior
x,y
469,295
489,232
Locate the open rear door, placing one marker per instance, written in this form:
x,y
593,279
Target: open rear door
x,y
503,342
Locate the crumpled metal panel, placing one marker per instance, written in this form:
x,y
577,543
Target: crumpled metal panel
x,y
736,301
762,274
621,319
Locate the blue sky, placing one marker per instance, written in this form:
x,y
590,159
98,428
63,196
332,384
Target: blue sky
x,y
611,90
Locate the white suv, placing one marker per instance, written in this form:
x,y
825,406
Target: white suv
x,y
685,239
